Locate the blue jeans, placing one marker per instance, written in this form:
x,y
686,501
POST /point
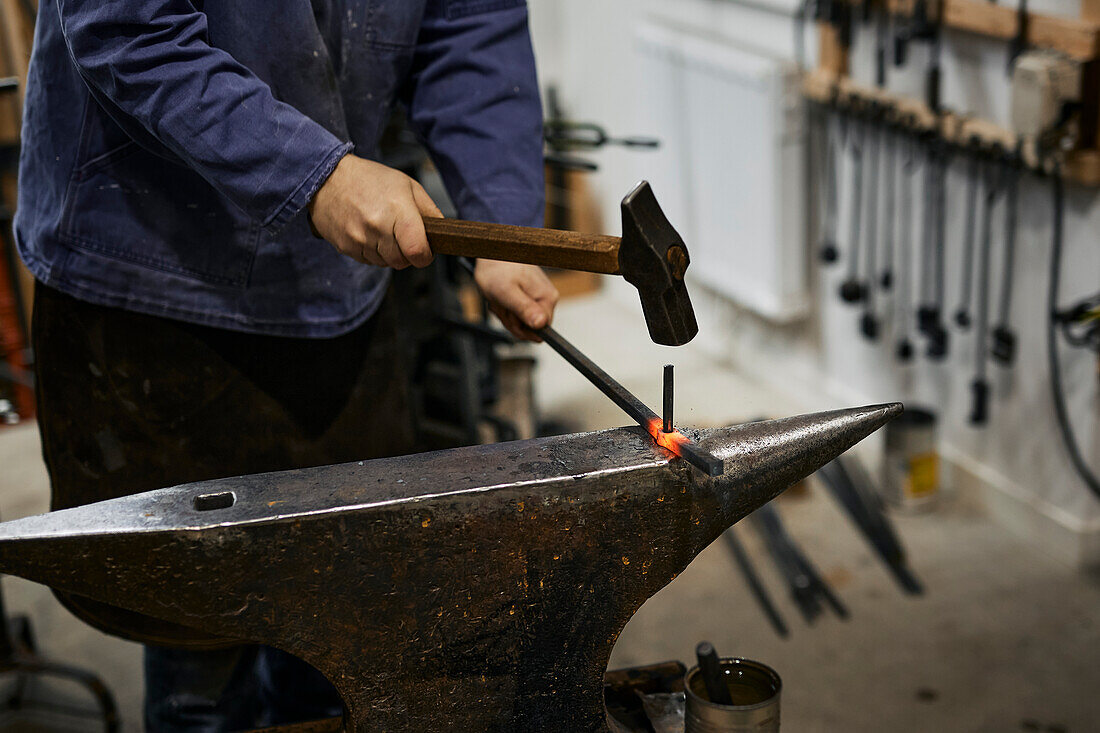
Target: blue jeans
x,y
239,688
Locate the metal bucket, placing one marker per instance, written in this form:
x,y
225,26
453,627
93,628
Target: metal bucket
x,y
754,688
911,469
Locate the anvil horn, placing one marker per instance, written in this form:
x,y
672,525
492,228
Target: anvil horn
x,y
479,588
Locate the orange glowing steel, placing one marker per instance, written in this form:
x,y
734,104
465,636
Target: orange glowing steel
x,y
669,441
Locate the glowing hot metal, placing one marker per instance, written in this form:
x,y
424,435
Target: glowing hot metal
x,y
675,441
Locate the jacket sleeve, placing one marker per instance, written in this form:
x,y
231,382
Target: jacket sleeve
x,y
150,65
473,98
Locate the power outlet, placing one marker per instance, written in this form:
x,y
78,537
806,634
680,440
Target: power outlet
x,y
1043,82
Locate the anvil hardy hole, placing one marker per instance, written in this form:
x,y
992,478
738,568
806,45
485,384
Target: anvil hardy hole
x,y
210,502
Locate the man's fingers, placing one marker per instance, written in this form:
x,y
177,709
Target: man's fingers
x,y
368,254
514,298
521,296
424,202
412,240
538,286
513,325
373,214
390,252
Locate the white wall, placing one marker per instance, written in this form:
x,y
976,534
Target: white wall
x,y
585,47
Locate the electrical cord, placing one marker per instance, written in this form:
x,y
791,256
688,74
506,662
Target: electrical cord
x,y
1057,388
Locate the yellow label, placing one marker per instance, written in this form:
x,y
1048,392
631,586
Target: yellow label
x,y
923,478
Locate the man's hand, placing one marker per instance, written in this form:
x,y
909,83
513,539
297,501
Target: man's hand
x,y
374,214
521,296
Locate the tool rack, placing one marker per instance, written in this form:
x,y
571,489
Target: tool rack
x,y
1079,39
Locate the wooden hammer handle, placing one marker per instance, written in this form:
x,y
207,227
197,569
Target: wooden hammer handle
x,y
545,247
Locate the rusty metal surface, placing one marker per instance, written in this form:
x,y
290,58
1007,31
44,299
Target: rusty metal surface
x,y
473,589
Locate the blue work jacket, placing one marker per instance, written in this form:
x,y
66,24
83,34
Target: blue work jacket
x,y
170,147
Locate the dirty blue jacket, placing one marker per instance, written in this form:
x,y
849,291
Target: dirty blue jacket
x,y
170,147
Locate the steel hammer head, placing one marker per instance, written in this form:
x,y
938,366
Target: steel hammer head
x,y
653,258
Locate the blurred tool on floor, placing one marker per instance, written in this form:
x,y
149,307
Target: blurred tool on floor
x,y
756,586
807,588
851,486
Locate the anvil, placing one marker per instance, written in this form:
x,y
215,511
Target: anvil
x,y
480,588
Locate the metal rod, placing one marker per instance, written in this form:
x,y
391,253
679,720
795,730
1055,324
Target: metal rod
x,y
668,395
675,442
718,691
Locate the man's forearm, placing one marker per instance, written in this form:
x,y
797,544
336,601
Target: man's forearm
x,y
474,98
149,64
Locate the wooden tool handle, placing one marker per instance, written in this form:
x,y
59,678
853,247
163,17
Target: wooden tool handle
x,y
545,247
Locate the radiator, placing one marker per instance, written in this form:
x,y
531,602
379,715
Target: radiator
x,y
730,174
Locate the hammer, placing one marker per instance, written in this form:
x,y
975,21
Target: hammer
x,y
650,255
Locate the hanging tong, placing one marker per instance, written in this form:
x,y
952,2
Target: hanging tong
x,y
1003,349
973,184
852,289
903,349
979,387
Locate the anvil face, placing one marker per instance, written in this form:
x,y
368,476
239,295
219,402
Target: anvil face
x,y
473,589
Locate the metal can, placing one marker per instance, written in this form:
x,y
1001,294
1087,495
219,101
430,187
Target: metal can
x,y
754,688
911,467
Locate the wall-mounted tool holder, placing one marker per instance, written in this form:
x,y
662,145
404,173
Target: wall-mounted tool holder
x,y
1068,56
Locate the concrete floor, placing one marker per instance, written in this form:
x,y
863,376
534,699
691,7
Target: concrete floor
x,y
1005,639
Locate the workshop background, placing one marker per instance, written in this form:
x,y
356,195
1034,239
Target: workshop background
x,y
1005,543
